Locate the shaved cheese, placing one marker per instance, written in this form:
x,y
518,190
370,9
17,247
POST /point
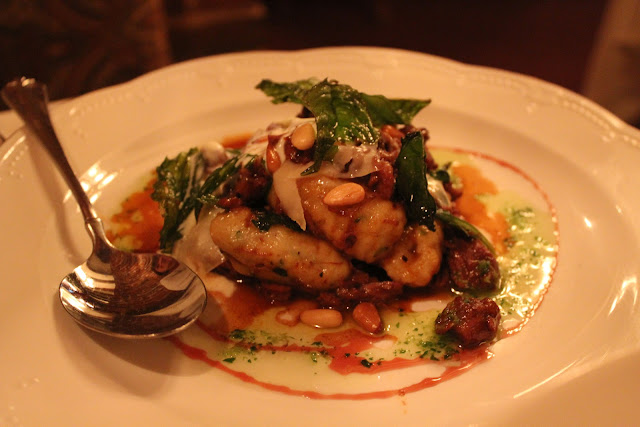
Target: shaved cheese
x,y
196,249
351,162
286,188
437,191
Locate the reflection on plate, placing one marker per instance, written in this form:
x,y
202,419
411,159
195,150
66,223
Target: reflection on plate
x,y
584,158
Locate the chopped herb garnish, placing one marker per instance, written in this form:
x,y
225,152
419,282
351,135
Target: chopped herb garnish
x,y
237,334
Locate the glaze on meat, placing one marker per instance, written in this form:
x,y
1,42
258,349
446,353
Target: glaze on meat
x,y
471,320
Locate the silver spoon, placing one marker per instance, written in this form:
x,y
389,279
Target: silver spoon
x,y
114,292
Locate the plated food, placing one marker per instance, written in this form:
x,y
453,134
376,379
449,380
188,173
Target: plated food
x,y
508,127
340,243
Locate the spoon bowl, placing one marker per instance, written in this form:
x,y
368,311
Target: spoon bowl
x,y
118,293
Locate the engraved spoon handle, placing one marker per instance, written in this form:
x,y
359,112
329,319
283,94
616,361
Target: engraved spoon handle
x,y
29,99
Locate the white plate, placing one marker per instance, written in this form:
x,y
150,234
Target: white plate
x,y
577,359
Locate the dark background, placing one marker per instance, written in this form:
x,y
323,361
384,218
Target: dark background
x,y
76,46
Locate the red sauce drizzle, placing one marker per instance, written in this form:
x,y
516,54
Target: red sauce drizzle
x,y
466,359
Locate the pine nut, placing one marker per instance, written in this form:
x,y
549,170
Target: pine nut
x,y
321,318
345,195
290,316
272,159
303,137
367,317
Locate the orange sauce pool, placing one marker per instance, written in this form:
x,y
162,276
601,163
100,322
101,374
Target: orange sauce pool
x,y
138,223
474,211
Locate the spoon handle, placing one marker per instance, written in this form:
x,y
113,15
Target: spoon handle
x,y
29,99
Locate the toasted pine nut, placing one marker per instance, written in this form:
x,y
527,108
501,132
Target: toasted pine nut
x,y
344,195
303,137
290,316
272,159
367,317
321,318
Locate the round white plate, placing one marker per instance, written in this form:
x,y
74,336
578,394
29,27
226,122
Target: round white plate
x,y
577,360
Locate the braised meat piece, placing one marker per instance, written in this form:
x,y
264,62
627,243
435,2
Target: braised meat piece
x,y
472,266
472,321
390,143
374,292
249,189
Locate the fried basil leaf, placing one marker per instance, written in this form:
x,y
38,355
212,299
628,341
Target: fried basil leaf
x,y
286,92
173,190
382,110
341,116
385,111
206,193
411,182
180,191
465,227
342,113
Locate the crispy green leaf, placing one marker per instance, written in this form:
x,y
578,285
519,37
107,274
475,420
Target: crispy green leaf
x,y
467,228
382,110
341,116
342,113
286,92
177,179
205,195
179,190
385,111
411,182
